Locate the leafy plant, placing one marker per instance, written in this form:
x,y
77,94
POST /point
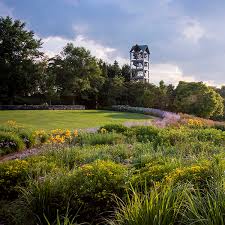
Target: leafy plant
x,y
10,142
100,138
118,128
12,174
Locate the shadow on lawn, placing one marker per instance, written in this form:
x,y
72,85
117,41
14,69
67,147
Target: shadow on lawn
x,y
129,117
119,115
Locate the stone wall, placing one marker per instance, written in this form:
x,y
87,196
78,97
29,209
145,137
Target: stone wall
x,y
42,107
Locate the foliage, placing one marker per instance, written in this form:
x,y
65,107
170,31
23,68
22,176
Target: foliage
x,y
41,136
27,137
77,73
160,206
154,171
144,133
12,174
91,197
10,142
118,128
198,99
205,208
198,175
166,167
100,138
63,220
75,76
18,54
15,137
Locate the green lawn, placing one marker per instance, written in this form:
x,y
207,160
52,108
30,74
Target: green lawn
x,y
71,119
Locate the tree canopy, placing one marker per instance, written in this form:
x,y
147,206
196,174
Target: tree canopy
x,y
19,51
75,76
199,99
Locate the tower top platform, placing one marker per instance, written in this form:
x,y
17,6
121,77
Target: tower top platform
x,y
143,48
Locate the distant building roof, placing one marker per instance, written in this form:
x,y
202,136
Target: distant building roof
x,y
140,47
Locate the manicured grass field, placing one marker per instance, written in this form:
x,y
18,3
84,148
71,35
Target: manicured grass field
x,y
71,119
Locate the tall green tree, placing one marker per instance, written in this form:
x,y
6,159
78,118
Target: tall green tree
x,y
19,54
114,70
78,74
125,72
198,99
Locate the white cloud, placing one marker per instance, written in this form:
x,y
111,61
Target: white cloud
x,y
53,45
169,73
193,31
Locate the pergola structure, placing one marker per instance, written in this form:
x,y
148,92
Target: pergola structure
x,y
139,63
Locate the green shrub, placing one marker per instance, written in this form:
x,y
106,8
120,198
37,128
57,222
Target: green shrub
x,y
6,128
219,126
100,138
41,165
197,174
209,134
145,134
89,189
12,174
118,128
96,183
172,136
155,171
10,142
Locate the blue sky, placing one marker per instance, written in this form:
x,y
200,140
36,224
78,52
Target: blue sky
x,y
186,37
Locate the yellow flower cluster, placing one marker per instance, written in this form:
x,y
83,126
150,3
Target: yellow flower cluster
x,y
190,173
16,167
195,123
57,139
39,133
60,136
14,124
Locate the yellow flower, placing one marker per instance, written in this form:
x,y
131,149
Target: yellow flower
x,y
11,123
67,133
103,130
195,122
75,133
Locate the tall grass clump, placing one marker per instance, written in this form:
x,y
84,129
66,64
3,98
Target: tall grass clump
x,y
64,220
205,207
100,138
160,206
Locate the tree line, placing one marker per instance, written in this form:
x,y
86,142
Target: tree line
x,y
76,77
